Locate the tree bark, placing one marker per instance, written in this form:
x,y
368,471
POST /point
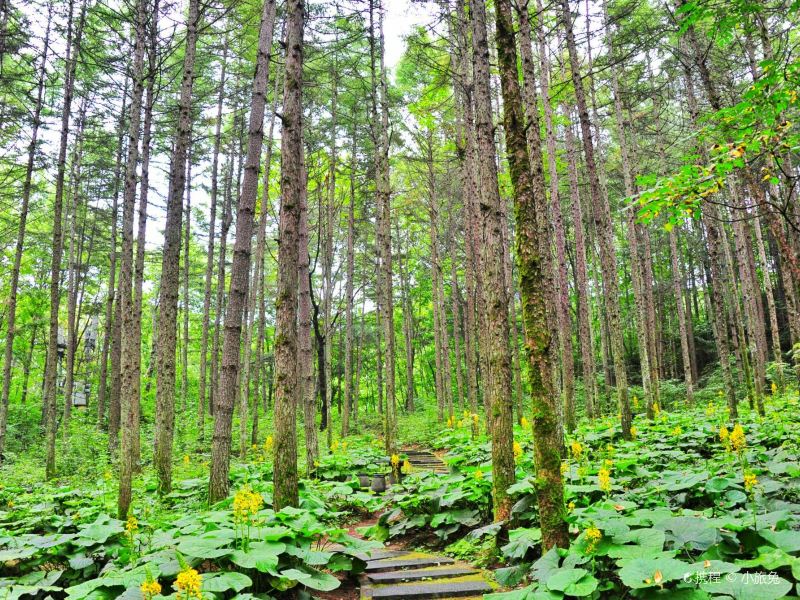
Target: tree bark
x,y
202,398
11,312
73,45
496,350
293,188
240,269
169,283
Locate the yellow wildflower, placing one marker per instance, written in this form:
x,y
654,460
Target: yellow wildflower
x,y
450,422
268,443
10,504
407,468
636,402
576,449
738,440
246,503
344,446
604,480
593,536
466,413
609,448
524,423
564,467
720,393
656,409
395,460
461,423
478,474
710,410
634,431
107,475
475,418
774,388
131,525
750,482
335,445
608,463
186,459
677,430
724,434
517,450
571,506
150,588
188,584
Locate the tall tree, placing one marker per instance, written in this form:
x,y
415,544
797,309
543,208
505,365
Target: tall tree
x,y
293,186
170,273
240,269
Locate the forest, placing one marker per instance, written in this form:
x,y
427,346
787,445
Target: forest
x,y
400,299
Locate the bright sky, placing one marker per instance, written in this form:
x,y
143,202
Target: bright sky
x,y
401,17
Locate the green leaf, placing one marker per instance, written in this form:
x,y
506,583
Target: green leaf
x,y
229,580
573,582
637,573
262,556
316,580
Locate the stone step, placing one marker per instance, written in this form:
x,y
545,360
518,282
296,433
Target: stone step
x,y
471,587
420,574
411,561
380,554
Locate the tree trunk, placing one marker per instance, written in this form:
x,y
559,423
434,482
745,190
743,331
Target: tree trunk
x,y
561,287
8,352
605,232
170,280
202,398
240,269
536,273
50,392
293,188
305,361
348,293
131,350
496,350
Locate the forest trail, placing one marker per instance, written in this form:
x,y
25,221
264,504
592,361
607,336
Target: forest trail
x,y
398,573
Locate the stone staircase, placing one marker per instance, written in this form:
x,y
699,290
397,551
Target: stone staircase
x,y
406,575
424,460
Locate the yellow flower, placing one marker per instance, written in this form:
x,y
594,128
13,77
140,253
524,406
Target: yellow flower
x,y
268,443
188,584
576,449
466,413
246,503
636,402
710,410
774,388
724,434
186,459
517,450
750,482
478,474
524,423
461,423
677,431
407,468
564,467
738,440
720,393
107,475
609,448
608,463
656,409
150,588
395,460
344,446
475,418
335,445
634,431
658,577
131,525
604,480
571,506
450,422
10,504
592,535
